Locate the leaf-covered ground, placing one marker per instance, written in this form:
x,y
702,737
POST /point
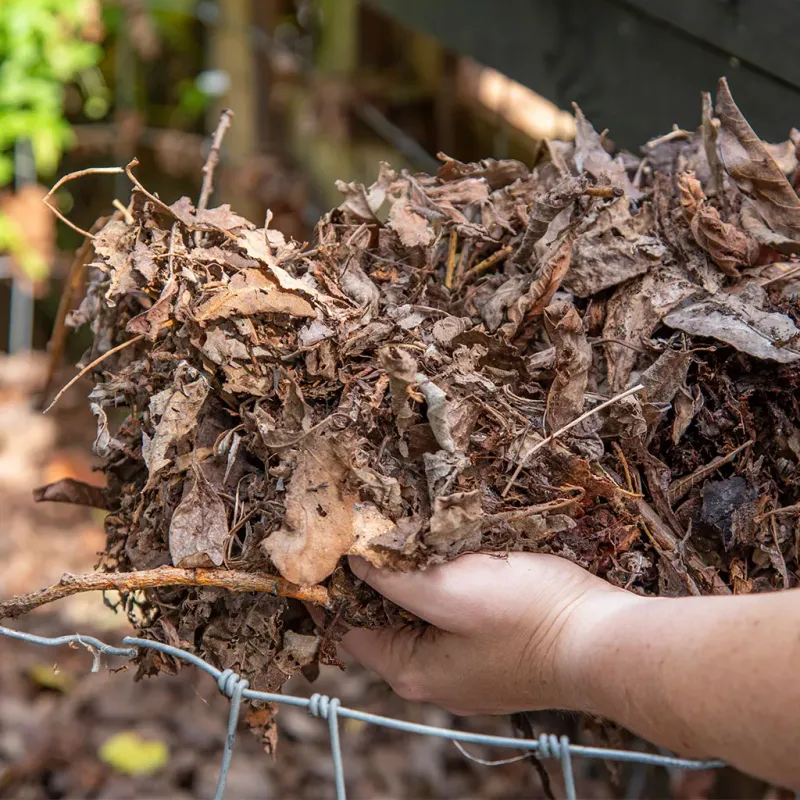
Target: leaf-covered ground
x,y
440,371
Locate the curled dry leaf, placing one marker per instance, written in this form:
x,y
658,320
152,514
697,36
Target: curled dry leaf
x,y
74,492
728,246
198,530
746,159
176,409
573,360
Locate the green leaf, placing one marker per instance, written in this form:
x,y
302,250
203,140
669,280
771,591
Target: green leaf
x,y
130,754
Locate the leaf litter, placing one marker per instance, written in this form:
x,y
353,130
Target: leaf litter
x,y
407,387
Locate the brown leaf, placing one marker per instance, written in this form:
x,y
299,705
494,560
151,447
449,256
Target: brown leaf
x,y
401,367
554,267
178,409
755,172
75,492
573,359
592,157
114,243
363,203
318,525
412,229
222,219
250,293
666,375
728,246
222,347
198,530
632,314
687,401
151,321
438,413
456,523
496,173
613,247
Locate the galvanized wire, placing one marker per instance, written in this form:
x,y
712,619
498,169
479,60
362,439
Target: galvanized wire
x,y
236,688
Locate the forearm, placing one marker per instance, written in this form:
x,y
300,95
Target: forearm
x,y
701,676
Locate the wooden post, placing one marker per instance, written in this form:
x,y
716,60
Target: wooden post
x,y
232,51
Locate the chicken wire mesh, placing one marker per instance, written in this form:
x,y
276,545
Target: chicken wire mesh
x,y
235,688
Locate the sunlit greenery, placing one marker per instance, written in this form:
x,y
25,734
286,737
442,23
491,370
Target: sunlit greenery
x,y
44,45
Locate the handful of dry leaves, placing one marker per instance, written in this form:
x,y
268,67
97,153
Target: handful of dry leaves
x,y
598,357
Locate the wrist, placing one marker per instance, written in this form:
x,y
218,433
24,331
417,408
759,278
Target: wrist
x,y
596,633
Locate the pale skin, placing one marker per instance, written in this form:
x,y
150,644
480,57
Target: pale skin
x,y
708,677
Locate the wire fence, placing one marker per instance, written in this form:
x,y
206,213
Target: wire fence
x,y
235,688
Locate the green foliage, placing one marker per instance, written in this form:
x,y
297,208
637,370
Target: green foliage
x,y
41,50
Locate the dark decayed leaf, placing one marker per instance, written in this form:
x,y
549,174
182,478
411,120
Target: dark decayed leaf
x,y
573,359
75,492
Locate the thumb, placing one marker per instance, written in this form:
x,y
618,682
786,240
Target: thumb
x,y
427,594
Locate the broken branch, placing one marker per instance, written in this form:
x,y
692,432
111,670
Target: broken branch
x,y
232,580
213,158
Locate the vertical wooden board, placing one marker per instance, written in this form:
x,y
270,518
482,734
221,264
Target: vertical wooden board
x,y
630,73
764,33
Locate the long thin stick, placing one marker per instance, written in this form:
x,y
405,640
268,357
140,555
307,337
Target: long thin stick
x,y
58,338
91,366
568,426
213,158
71,177
487,263
451,259
779,512
230,579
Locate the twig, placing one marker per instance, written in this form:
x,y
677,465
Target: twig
x,y
487,263
151,197
491,520
91,366
779,512
791,273
451,259
124,211
604,191
58,338
213,159
568,426
669,543
71,177
232,580
681,487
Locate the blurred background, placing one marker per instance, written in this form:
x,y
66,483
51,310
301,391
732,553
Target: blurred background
x,y
321,90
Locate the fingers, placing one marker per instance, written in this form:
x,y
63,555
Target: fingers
x,y
392,654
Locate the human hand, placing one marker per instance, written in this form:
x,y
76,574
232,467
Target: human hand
x,y
506,634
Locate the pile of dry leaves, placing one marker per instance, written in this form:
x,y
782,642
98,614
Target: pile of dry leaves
x,y
598,357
